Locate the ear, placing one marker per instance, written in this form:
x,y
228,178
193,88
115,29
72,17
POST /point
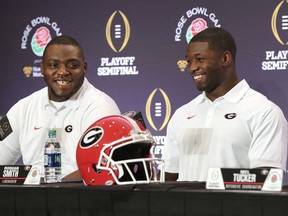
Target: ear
x,y
85,66
226,58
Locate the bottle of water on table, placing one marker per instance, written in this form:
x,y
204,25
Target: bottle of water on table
x,y
52,158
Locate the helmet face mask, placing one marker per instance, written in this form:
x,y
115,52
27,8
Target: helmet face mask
x,y
117,150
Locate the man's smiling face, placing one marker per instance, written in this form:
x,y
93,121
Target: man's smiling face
x,y
64,69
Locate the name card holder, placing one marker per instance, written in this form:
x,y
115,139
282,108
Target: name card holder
x,y
270,179
20,174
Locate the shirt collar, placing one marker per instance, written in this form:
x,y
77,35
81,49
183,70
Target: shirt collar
x,y
72,102
237,92
234,95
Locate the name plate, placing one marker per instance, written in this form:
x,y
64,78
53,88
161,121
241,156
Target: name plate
x,y
20,174
245,179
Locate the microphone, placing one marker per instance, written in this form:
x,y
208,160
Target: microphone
x,y
137,116
5,127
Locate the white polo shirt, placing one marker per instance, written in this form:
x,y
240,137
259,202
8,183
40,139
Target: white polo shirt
x,y
242,129
32,116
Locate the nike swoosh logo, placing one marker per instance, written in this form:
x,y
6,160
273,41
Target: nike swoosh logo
x,y
190,117
37,128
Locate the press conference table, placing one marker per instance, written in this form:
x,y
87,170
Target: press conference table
x,y
166,199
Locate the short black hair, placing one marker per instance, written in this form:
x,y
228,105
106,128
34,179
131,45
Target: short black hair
x,y
218,39
64,40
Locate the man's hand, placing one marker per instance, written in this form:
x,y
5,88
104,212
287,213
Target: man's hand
x,y
171,176
74,175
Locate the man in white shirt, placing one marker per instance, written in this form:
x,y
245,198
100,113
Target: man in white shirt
x,y
69,103
229,125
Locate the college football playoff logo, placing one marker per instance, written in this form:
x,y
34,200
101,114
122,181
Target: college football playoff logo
x,y
117,29
279,16
158,109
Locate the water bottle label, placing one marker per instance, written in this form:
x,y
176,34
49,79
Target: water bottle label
x,y
52,160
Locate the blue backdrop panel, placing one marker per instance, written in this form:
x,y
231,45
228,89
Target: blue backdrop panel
x,y
133,47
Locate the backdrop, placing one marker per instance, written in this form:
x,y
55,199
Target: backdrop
x,y
134,48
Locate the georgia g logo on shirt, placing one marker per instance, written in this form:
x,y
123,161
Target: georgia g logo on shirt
x,y
230,115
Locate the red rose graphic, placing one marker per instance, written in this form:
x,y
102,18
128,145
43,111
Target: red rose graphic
x,y
198,25
274,178
42,36
34,173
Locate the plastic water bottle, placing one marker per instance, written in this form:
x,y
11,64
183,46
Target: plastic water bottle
x,y
52,158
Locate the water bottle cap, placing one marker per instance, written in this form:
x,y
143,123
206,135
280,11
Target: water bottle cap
x,y
52,132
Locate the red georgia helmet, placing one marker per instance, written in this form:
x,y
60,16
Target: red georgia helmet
x,y
116,150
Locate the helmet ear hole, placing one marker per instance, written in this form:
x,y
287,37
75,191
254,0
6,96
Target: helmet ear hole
x,y
95,168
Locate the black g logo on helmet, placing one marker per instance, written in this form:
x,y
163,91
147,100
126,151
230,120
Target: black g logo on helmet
x,y
91,137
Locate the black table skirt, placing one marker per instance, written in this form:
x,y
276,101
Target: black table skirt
x,y
168,199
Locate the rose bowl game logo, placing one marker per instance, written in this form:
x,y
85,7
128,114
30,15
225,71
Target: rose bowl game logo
x,y
37,34
194,21
39,40
191,23
197,25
